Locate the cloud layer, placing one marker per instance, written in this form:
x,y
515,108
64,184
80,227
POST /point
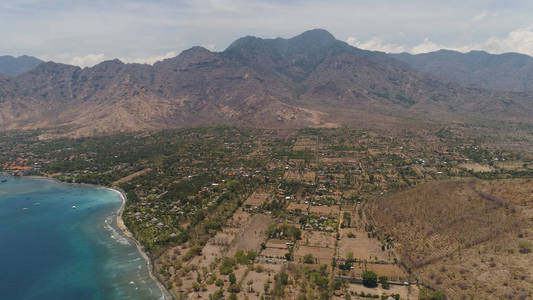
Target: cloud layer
x,y
519,40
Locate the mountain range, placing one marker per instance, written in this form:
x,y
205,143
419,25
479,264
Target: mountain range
x,y
13,66
508,71
311,80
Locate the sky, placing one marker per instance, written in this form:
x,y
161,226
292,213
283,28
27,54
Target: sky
x,y
86,32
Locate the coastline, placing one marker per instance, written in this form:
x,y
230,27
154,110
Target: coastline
x,y
128,234
122,227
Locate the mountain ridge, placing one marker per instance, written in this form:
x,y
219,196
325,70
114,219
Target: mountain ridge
x,y
507,71
310,80
13,66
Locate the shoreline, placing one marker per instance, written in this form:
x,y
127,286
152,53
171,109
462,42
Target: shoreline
x,y
128,234
122,227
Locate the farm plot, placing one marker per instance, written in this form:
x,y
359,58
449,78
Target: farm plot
x,y
305,143
318,239
319,255
304,177
255,200
405,292
362,247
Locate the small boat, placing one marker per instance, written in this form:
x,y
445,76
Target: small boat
x,y
74,207
25,208
4,180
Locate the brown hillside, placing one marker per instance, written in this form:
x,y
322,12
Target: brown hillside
x,y
466,238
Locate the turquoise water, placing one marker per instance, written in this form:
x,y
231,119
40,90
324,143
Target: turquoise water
x,y
48,250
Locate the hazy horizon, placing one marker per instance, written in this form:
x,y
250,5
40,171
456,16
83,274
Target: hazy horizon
x,y
85,32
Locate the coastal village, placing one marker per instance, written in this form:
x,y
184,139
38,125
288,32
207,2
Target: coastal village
x,y
228,213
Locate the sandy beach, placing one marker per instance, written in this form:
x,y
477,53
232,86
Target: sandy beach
x,y
127,233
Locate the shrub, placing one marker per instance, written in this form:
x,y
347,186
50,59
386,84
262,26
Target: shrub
x,y
218,294
196,286
384,282
427,294
227,266
251,256
309,259
234,288
194,251
241,258
219,283
524,247
370,279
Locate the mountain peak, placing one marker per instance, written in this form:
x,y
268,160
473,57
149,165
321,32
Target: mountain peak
x,y
13,66
195,50
319,36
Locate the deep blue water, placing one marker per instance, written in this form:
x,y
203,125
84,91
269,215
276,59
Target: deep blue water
x,y
48,250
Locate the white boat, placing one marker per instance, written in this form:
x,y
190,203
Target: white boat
x,y
74,207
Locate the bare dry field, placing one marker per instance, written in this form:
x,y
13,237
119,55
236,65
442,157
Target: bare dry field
x,y
297,207
406,292
325,210
256,200
305,177
131,176
318,239
305,143
393,272
275,248
475,167
252,235
258,277
470,239
322,255
510,165
274,252
336,160
361,246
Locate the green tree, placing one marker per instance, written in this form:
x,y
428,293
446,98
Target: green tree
x,y
370,279
384,280
232,278
227,266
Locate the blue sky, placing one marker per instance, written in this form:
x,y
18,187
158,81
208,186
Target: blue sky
x,y
86,32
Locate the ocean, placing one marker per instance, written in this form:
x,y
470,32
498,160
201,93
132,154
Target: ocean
x,y
51,250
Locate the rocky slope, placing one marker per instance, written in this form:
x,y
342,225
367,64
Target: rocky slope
x,y
309,80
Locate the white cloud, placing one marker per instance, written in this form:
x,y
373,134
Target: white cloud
x,y
375,44
427,46
88,60
150,60
211,47
519,40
